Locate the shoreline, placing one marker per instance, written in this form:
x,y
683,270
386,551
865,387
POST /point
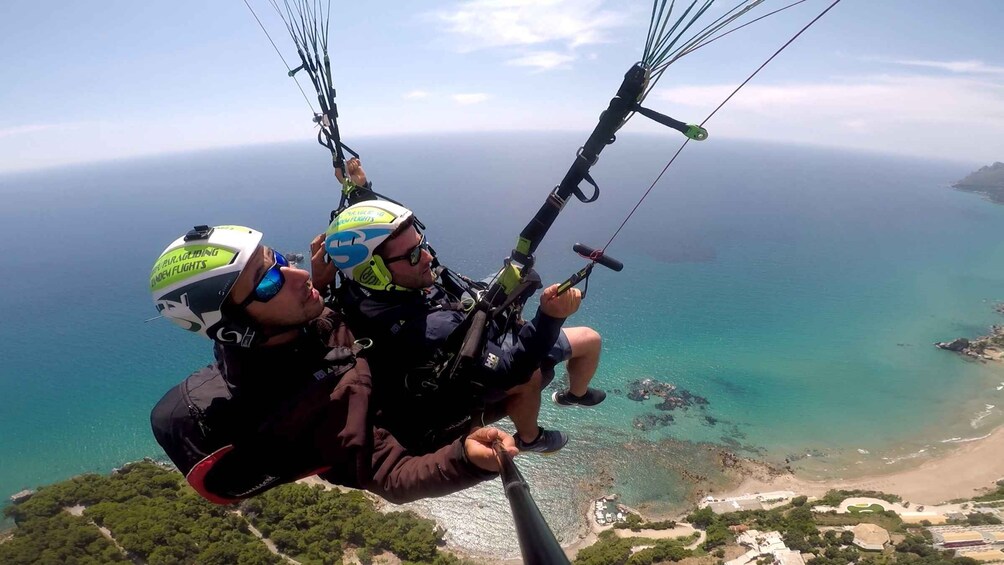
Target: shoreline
x,y
965,471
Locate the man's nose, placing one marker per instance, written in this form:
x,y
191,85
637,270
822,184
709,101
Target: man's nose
x,y
295,275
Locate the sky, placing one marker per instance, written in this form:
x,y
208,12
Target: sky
x,y
92,81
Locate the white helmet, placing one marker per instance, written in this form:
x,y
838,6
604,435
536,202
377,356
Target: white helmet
x,y
353,236
193,277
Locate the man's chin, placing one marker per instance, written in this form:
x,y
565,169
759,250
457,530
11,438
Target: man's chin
x,y
315,308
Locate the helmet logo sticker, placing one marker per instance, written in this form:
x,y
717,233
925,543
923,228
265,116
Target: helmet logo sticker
x,y
366,276
362,216
180,313
348,248
184,262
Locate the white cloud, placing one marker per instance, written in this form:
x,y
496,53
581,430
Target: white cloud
x,y
19,130
967,67
480,24
952,117
542,60
471,98
416,94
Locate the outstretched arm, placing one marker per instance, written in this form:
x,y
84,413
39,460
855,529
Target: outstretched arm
x,y
400,477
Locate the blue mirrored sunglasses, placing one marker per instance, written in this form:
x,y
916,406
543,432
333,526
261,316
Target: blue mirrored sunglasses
x,y
270,283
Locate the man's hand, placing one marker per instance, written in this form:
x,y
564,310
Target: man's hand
x,y
322,272
480,450
356,173
561,306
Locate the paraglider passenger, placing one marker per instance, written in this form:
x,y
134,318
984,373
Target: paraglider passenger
x,y
395,294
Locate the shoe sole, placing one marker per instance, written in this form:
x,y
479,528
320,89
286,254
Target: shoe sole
x,y
554,399
552,452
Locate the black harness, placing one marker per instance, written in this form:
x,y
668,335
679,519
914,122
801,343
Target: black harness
x,y
413,382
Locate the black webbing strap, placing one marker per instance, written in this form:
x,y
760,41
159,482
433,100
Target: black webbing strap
x,y
621,105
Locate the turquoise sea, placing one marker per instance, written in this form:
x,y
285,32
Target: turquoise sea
x,y
798,290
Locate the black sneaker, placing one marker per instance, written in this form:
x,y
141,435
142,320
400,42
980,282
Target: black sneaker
x,y
548,441
566,398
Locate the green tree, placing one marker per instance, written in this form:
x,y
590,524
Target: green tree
x,y
701,518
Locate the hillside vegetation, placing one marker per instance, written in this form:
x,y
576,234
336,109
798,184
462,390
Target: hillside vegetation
x,y
149,514
988,181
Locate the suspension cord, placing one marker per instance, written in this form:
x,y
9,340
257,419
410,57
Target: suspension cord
x,y
288,68
713,112
737,28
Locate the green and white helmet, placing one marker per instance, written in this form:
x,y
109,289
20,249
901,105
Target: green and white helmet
x,y
193,277
354,235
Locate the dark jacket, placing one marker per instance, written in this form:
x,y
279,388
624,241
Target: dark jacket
x,y
410,332
291,411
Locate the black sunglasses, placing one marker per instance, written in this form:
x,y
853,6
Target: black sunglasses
x,y
414,255
270,283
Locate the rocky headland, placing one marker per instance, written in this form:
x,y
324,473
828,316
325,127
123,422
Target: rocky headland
x,y
988,347
988,181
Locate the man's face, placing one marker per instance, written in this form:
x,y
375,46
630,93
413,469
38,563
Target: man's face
x,y
403,273
297,302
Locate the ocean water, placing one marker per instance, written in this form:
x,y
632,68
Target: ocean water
x,y
797,290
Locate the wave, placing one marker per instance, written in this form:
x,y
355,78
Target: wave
x,y
975,422
965,439
914,455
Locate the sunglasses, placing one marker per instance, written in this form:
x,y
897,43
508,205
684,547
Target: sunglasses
x,y
414,255
270,283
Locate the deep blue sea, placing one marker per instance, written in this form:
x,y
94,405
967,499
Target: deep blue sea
x,y
797,290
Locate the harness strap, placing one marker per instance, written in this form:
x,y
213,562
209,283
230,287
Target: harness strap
x,y
582,197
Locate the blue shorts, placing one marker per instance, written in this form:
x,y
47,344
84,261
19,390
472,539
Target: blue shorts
x,y
561,351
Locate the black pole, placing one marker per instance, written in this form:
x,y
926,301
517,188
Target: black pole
x,y
537,543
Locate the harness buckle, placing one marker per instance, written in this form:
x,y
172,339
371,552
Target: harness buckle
x,y
580,155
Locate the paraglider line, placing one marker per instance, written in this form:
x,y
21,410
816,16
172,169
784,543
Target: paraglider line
x,y
713,112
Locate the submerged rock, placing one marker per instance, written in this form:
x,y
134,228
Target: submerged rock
x,y
672,398
647,422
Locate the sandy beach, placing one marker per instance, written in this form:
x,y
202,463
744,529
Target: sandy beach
x,y
970,469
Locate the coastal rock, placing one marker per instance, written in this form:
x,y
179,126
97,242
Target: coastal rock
x,y
294,258
22,496
988,347
957,344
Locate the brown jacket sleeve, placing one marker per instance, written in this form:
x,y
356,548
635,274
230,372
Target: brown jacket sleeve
x,y
400,477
